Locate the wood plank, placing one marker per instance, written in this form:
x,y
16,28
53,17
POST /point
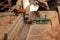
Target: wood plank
x,y
59,12
38,31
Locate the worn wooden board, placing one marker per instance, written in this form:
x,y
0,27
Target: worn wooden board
x,y
59,11
39,31
4,22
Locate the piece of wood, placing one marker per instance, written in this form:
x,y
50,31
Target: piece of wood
x,y
38,31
